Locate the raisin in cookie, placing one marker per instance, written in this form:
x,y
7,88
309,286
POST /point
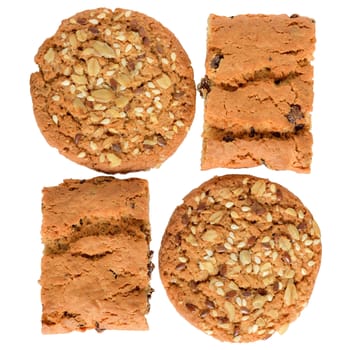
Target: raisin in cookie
x,y
114,91
239,258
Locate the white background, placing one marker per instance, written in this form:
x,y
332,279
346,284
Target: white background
x,y
28,164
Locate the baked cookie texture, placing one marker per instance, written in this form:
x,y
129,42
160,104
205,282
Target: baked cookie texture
x,y
240,257
96,264
258,92
114,90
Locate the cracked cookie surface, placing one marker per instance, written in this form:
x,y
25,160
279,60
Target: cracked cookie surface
x,y
114,91
258,83
239,258
96,265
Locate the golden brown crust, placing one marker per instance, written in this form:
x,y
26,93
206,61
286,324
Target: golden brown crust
x,y
239,257
97,263
114,91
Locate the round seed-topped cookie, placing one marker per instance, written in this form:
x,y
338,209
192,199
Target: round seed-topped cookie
x,y
239,258
114,91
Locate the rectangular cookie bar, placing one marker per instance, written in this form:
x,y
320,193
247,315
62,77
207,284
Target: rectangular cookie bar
x,y
258,84
97,263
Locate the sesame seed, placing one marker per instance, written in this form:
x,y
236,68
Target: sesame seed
x,y
228,246
158,104
241,244
121,37
105,121
308,242
234,227
128,48
55,119
81,155
233,257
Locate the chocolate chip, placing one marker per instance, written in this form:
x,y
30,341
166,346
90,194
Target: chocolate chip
x,y
294,114
215,62
277,81
204,87
294,15
228,137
